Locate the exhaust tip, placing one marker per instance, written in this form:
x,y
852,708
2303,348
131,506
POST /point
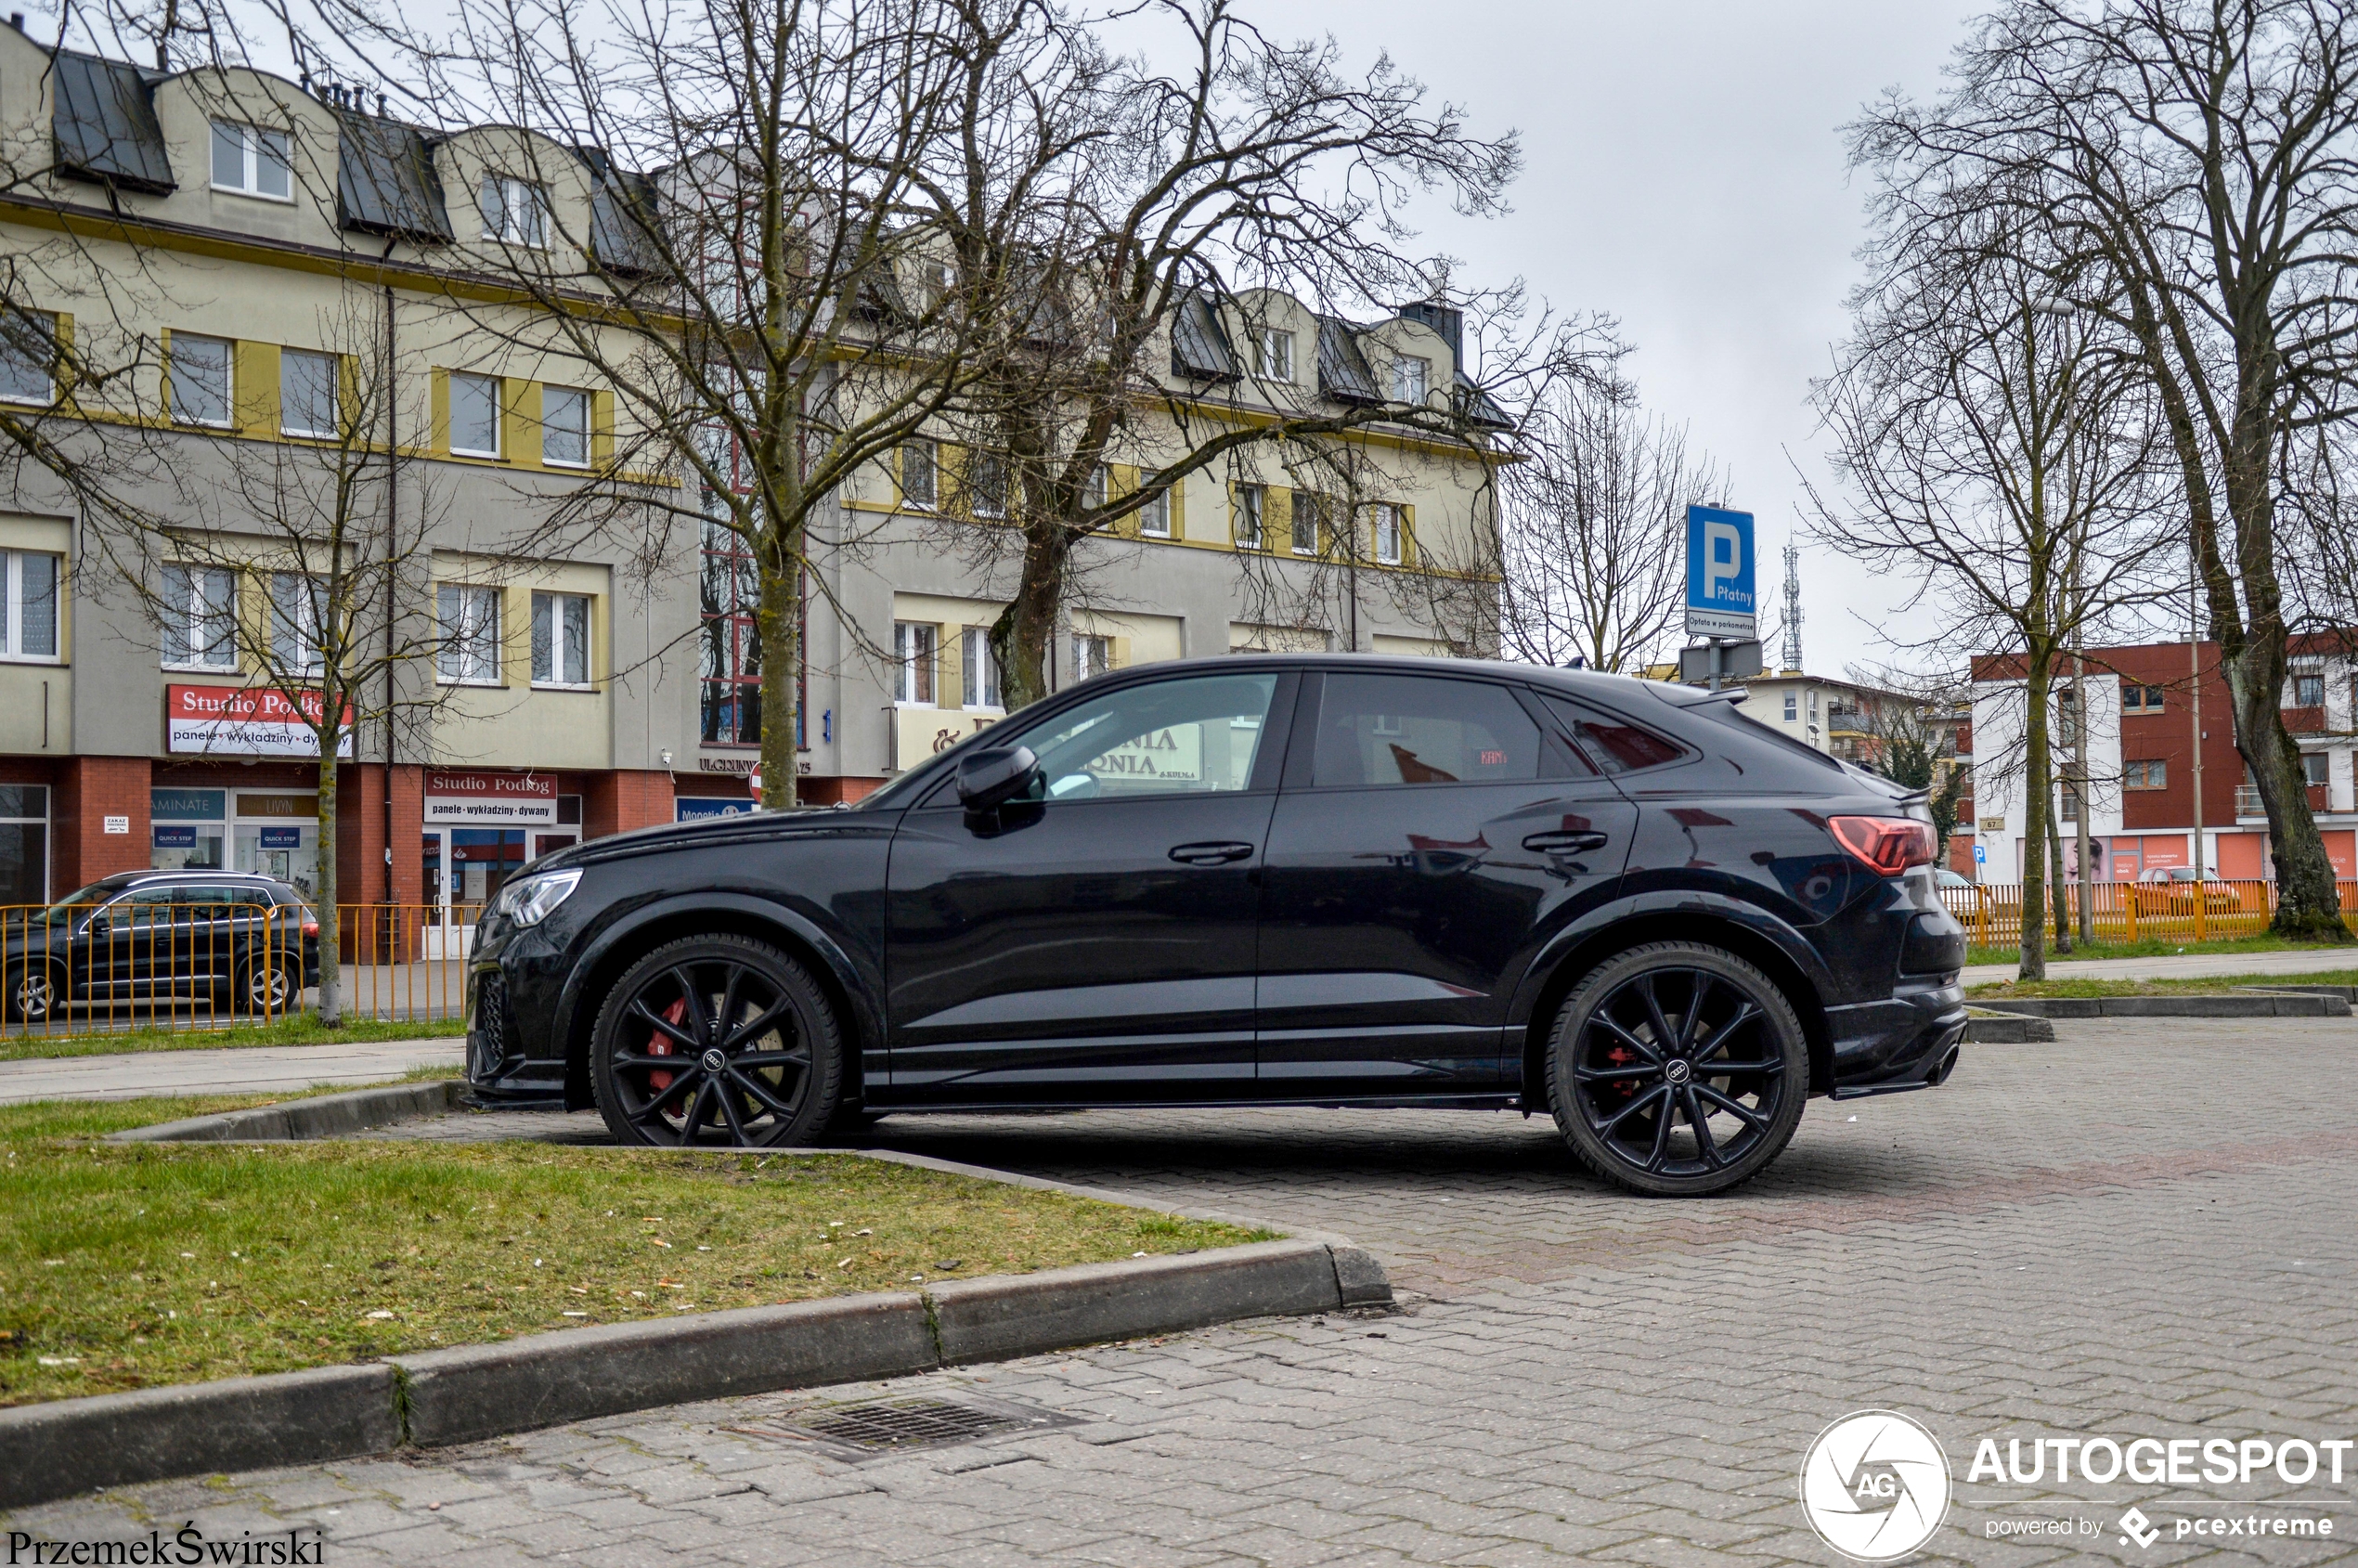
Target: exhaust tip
x,y
1939,1075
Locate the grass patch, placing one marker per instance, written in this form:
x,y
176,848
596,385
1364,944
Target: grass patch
x,y
301,1029
126,1266
2151,947
2190,985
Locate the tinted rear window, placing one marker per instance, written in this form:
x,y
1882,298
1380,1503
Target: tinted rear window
x,y
1613,743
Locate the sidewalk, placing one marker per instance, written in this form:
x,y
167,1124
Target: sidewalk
x,y
2169,967
250,1069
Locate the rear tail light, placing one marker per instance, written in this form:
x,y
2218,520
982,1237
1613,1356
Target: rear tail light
x,y
1888,844
311,927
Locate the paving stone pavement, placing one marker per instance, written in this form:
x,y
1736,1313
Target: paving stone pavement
x,y
2139,1230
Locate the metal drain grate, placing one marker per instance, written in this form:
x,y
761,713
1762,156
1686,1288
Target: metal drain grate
x,y
858,1432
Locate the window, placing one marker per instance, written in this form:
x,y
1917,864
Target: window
x,y
24,844
913,656
1309,522
28,604
514,212
2317,768
1386,530
2067,804
474,415
2308,689
920,466
1154,518
199,617
1614,744
565,426
1418,728
1251,499
2150,775
560,640
294,623
1093,489
2140,699
200,380
470,650
1793,707
1091,656
1274,351
28,357
987,486
252,162
979,668
729,662
307,394
1192,735
1410,376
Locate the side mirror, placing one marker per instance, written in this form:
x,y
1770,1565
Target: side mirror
x,y
990,778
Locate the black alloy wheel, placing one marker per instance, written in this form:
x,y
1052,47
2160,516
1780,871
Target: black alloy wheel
x,y
717,1041
1677,1069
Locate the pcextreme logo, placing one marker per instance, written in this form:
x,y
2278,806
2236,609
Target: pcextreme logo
x,y
1874,1485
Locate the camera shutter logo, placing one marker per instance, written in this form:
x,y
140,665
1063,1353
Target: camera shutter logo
x,y
1874,1485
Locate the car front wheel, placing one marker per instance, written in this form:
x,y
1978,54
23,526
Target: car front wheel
x,y
36,993
717,1041
1677,1069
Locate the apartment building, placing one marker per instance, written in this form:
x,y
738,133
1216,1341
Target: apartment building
x,y
2143,742
284,241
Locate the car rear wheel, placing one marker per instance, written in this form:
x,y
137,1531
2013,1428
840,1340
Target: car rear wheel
x,y
265,988
717,1041
37,993
1677,1069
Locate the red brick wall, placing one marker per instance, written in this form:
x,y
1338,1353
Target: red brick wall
x,y
89,790
830,792
619,801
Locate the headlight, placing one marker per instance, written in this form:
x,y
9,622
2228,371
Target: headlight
x,y
528,901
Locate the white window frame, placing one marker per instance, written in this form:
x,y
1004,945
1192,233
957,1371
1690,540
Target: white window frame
x,y
1379,516
1411,378
976,492
550,397
554,609
466,649
500,223
1317,518
1154,517
335,393
1092,655
921,452
183,360
916,660
977,671
1251,522
253,140
294,626
1093,490
12,574
473,378
2324,758
1272,354
2292,688
197,644
47,374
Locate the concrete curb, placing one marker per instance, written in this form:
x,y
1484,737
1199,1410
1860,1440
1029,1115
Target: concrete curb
x,y
2347,992
2007,1029
319,1116
2265,1004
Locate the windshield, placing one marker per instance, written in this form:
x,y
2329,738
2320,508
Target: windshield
x,y
76,904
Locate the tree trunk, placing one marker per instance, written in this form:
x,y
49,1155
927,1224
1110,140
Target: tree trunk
x,y
778,622
2061,885
2034,825
330,950
2308,900
2086,879
1023,638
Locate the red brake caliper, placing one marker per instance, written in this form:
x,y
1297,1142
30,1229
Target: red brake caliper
x,y
659,1044
1621,1055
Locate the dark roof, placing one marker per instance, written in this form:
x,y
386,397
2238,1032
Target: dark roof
x,y
105,124
1343,373
622,216
1479,405
386,180
1199,346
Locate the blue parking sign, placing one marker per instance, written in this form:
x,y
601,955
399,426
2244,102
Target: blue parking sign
x,y
1720,598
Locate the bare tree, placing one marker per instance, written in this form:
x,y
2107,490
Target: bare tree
x,y
1593,530
2193,166
2000,457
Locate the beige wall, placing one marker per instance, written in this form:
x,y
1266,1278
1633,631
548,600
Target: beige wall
x,y
516,724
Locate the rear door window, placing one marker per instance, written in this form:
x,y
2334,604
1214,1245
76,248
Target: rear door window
x,y
1408,730
1613,743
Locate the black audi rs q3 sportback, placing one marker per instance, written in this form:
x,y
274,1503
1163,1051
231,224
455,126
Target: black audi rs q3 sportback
x,y
1276,880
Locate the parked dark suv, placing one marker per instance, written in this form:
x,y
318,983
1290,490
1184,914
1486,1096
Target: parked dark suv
x,y
144,937
1332,881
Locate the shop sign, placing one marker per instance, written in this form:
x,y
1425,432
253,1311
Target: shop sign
x,y
181,835
710,764
282,839
490,799
184,805
306,806
1176,754
921,732
694,809
248,721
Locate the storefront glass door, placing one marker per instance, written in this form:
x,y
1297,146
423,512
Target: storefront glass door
x,y
464,868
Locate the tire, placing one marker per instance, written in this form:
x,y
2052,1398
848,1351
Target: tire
x,y
266,990
1610,1081
35,995
759,1051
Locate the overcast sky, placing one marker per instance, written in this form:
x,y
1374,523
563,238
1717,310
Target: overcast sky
x,y
1685,174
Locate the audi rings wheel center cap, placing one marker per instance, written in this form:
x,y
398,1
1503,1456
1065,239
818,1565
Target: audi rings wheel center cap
x,y
714,1061
1676,1071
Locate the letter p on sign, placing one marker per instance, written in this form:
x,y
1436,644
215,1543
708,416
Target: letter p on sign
x,y
1722,558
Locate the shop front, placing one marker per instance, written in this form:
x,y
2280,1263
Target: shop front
x,y
273,833
481,828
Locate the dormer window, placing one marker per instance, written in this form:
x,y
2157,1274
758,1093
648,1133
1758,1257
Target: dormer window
x,y
250,162
1410,377
514,212
1274,353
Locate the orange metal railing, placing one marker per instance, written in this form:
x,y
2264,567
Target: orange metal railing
x,y
2130,911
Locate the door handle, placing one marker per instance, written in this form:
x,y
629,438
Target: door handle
x,y
1210,854
1559,843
